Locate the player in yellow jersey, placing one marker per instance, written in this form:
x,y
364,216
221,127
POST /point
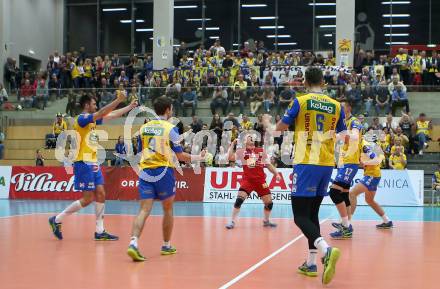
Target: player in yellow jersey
x,y
87,173
368,185
316,117
346,172
158,140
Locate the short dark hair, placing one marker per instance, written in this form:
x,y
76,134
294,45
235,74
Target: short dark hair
x,y
85,99
422,114
161,105
314,75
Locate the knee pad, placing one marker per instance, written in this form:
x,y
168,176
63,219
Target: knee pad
x,y
268,207
346,198
336,196
238,202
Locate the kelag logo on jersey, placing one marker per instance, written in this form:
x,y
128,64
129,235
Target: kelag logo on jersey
x,y
153,131
326,107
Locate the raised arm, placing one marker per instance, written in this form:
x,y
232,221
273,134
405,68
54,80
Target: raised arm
x,y
109,107
120,112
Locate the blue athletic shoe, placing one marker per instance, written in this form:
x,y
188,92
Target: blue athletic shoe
x,y
310,271
269,224
56,228
104,236
343,233
168,250
388,225
337,225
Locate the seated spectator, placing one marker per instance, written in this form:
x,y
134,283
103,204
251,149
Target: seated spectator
x,y
375,125
27,94
217,127
156,89
363,122
423,129
404,139
390,123
173,91
353,95
397,160
368,97
41,95
133,95
196,124
219,99
286,97
268,98
328,78
3,95
237,96
39,160
384,142
58,127
382,99
189,98
246,124
398,94
54,87
397,145
120,149
230,121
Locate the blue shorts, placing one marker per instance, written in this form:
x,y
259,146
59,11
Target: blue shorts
x,y
370,182
310,180
157,183
346,174
87,176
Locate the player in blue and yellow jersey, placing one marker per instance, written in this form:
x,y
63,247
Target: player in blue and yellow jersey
x,y
317,119
87,173
371,162
347,170
159,141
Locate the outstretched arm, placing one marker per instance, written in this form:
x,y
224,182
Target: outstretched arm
x,y
120,112
109,107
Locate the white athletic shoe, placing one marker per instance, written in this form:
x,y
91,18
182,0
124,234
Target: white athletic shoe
x,y
231,225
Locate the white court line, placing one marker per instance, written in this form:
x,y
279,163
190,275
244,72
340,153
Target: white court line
x,y
257,265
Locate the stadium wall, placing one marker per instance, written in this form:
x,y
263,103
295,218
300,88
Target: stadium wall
x,y
30,25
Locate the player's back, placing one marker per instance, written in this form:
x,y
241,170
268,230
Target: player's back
x,y
317,119
156,144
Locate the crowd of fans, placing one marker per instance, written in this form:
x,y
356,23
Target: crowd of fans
x,y
377,83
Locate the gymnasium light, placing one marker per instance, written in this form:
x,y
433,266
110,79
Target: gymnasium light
x,y
325,16
279,36
198,19
113,9
328,35
209,28
322,4
395,15
395,25
253,5
263,18
185,7
129,21
396,34
214,37
271,27
397,43
396,2
328,26
144,30
286,43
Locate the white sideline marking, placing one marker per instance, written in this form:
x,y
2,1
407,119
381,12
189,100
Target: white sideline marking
x,y
254,267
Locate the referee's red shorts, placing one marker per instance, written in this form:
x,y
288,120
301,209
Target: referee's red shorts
x,y
260,187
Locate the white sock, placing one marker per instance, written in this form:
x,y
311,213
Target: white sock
x,y
99,212
72,208
235,213
385,219
311,258
345,222
322,245
134,241
167,244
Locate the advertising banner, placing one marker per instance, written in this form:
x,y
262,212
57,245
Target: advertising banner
x,y
396,187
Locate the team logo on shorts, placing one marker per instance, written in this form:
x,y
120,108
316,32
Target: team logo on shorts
x,y
294,176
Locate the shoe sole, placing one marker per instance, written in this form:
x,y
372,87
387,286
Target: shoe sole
x,y
133,255
330,269
165,253
107,239
341,238
384,228
229,228
308,274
